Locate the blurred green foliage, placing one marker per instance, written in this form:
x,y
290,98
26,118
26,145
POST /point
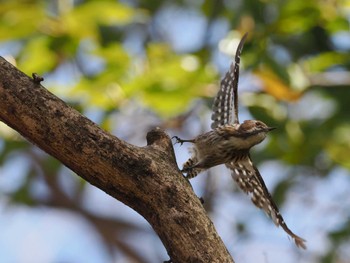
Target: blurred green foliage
x,y
117,53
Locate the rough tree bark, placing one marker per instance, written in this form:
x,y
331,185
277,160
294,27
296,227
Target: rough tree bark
x,y
146,179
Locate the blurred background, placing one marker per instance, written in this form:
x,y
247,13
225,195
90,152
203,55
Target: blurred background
x,y
132,65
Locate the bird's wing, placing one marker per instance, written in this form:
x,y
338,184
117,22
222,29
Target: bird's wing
x,y
227,95
250,181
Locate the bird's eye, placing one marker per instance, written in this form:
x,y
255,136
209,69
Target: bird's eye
x,y
259,124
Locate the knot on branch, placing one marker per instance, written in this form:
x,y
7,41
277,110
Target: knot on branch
x,y
158,136
158,139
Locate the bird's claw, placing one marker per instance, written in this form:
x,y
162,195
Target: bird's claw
x,y
178,140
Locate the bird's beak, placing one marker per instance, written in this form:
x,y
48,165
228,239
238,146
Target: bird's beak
x,y
270,128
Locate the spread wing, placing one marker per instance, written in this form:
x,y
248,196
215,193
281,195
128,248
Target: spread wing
x,y
250,181
227,95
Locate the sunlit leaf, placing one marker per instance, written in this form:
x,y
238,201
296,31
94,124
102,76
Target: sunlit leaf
x,y
19,19
324,61
37,56
169,82
275,87
297,16
338,146
83,21
104,90
338,24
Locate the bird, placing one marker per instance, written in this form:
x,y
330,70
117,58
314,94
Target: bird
x,y
229,143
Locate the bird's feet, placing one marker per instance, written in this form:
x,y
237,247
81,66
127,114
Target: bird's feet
x,y
178,140
181,141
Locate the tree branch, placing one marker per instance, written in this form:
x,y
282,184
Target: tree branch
x,y
146,179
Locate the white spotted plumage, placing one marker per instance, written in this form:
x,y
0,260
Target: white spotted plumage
x,y
227,95
229,143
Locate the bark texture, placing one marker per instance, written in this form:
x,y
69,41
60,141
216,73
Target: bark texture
x,y
146,179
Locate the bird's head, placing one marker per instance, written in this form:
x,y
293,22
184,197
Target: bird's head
x,y
254,131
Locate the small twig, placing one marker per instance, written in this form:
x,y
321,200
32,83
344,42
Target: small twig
x,y
37,79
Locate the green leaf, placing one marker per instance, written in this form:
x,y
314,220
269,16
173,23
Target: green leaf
x,y
83,21
37,56
325,60
20,19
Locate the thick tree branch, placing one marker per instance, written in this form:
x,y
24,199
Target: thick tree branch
x,y
146,179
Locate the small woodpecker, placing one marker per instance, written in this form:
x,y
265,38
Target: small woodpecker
x,y
229,143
